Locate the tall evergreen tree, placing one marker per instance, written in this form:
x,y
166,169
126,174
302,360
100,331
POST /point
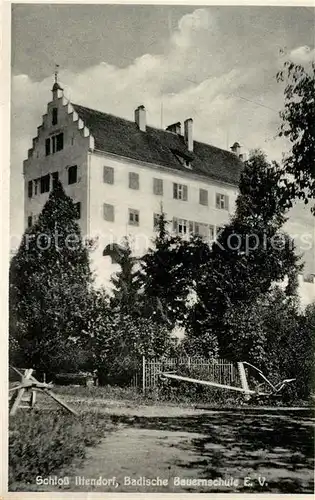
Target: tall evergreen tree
x,y
50,280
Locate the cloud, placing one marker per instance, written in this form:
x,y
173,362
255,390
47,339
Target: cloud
x,y
302,55
200,75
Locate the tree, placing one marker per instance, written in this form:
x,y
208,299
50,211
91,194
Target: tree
x,y
298,126
169,272
50,281
126,283
250,254
118,340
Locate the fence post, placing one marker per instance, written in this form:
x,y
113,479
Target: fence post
x,y
143,374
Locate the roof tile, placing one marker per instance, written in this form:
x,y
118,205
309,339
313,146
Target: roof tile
x,y
122,137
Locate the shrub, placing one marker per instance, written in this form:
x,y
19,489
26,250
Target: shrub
x,y
41,442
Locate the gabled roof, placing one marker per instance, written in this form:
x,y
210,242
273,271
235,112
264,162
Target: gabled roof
x,y
123,137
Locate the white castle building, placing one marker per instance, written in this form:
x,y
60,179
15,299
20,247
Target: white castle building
x,y
120,173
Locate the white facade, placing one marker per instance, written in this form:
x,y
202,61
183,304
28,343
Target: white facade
x,y
107,198
92,192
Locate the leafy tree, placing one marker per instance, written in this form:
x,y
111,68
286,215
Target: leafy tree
x,y
168,274
297,125
117,341
250,254
50,281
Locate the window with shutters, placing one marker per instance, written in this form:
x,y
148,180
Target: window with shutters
x,y
54,116
134,217
77,207
45,183
180,192
203,196
72,174
180,226
108,175
133,180
108,212
211,233
222,201
30,189
158,186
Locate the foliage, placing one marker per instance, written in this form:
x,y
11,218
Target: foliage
x,y
250,254
126,285
41,442
117,340
290,352
298,126
49,284
168,273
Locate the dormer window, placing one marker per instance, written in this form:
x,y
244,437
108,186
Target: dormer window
x,y
184,158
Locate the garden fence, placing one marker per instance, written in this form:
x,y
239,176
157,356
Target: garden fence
x,y
215,370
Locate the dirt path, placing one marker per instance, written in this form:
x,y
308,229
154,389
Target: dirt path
x,y
239,451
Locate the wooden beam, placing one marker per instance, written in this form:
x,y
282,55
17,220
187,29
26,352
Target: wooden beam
x,y
243,378
206,382
53,396
19,396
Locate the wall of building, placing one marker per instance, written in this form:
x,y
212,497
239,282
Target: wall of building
x,y
76,143
122,198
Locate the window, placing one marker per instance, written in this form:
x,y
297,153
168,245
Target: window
x,y
108,175
45,183
108,212
77,207
202,229
203,197
72,174
47,146
55,177
54,116
180,226
36,185
59,140
222,201
134,217
158,186
133,180
29,221
180,192
54,144
30,189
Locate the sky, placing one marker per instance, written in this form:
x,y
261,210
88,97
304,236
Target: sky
x,y
216,65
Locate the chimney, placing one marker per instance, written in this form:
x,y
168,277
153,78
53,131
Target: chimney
x,y
188,134
140,118
175,128
236,149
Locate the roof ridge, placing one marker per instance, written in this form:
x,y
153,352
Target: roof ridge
x,y
151,127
